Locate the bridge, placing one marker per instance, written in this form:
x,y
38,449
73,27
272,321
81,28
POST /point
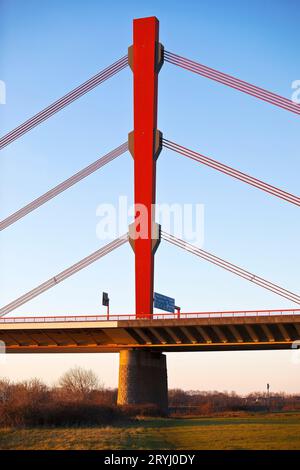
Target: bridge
x,y
144,337
204,331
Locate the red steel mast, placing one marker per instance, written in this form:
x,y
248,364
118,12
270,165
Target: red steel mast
x,y
145,59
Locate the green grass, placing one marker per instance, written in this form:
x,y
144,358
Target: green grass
x,y
264,431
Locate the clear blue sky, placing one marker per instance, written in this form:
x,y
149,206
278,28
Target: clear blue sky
x,y
47,48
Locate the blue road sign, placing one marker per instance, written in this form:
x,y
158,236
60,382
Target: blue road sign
x,y
163,302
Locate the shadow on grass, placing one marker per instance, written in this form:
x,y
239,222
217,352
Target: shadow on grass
x,y
265,419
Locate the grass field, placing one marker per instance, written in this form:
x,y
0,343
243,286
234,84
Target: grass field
x,y
264,431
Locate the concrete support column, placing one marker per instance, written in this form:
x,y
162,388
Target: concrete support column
x,y
143,379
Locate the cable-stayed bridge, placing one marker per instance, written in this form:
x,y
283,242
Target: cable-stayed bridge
x,y
141,338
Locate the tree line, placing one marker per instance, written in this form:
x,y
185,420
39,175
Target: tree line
x,y
80,398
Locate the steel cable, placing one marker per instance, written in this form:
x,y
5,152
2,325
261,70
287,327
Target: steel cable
x,y
233,82
62,102
63,275
231,267
273,190
88,170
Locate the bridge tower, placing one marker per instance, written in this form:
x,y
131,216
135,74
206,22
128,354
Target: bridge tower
x,y
143,374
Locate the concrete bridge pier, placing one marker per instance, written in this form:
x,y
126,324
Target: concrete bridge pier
x,y
143,379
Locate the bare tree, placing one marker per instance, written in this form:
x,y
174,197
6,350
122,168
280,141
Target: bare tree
x,y
5,389
79,383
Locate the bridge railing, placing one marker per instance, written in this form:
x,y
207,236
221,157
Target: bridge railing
x,y
156,316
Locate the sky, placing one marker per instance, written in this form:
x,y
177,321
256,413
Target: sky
x,y
48,48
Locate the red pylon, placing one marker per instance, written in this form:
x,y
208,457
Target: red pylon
x,y
145,59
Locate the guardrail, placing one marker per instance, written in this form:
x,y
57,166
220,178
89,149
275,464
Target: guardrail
x,y
156,316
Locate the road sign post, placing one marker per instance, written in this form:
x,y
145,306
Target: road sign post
x,y
178,310
105,302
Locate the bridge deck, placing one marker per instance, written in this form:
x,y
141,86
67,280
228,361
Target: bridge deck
x,y
210,333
